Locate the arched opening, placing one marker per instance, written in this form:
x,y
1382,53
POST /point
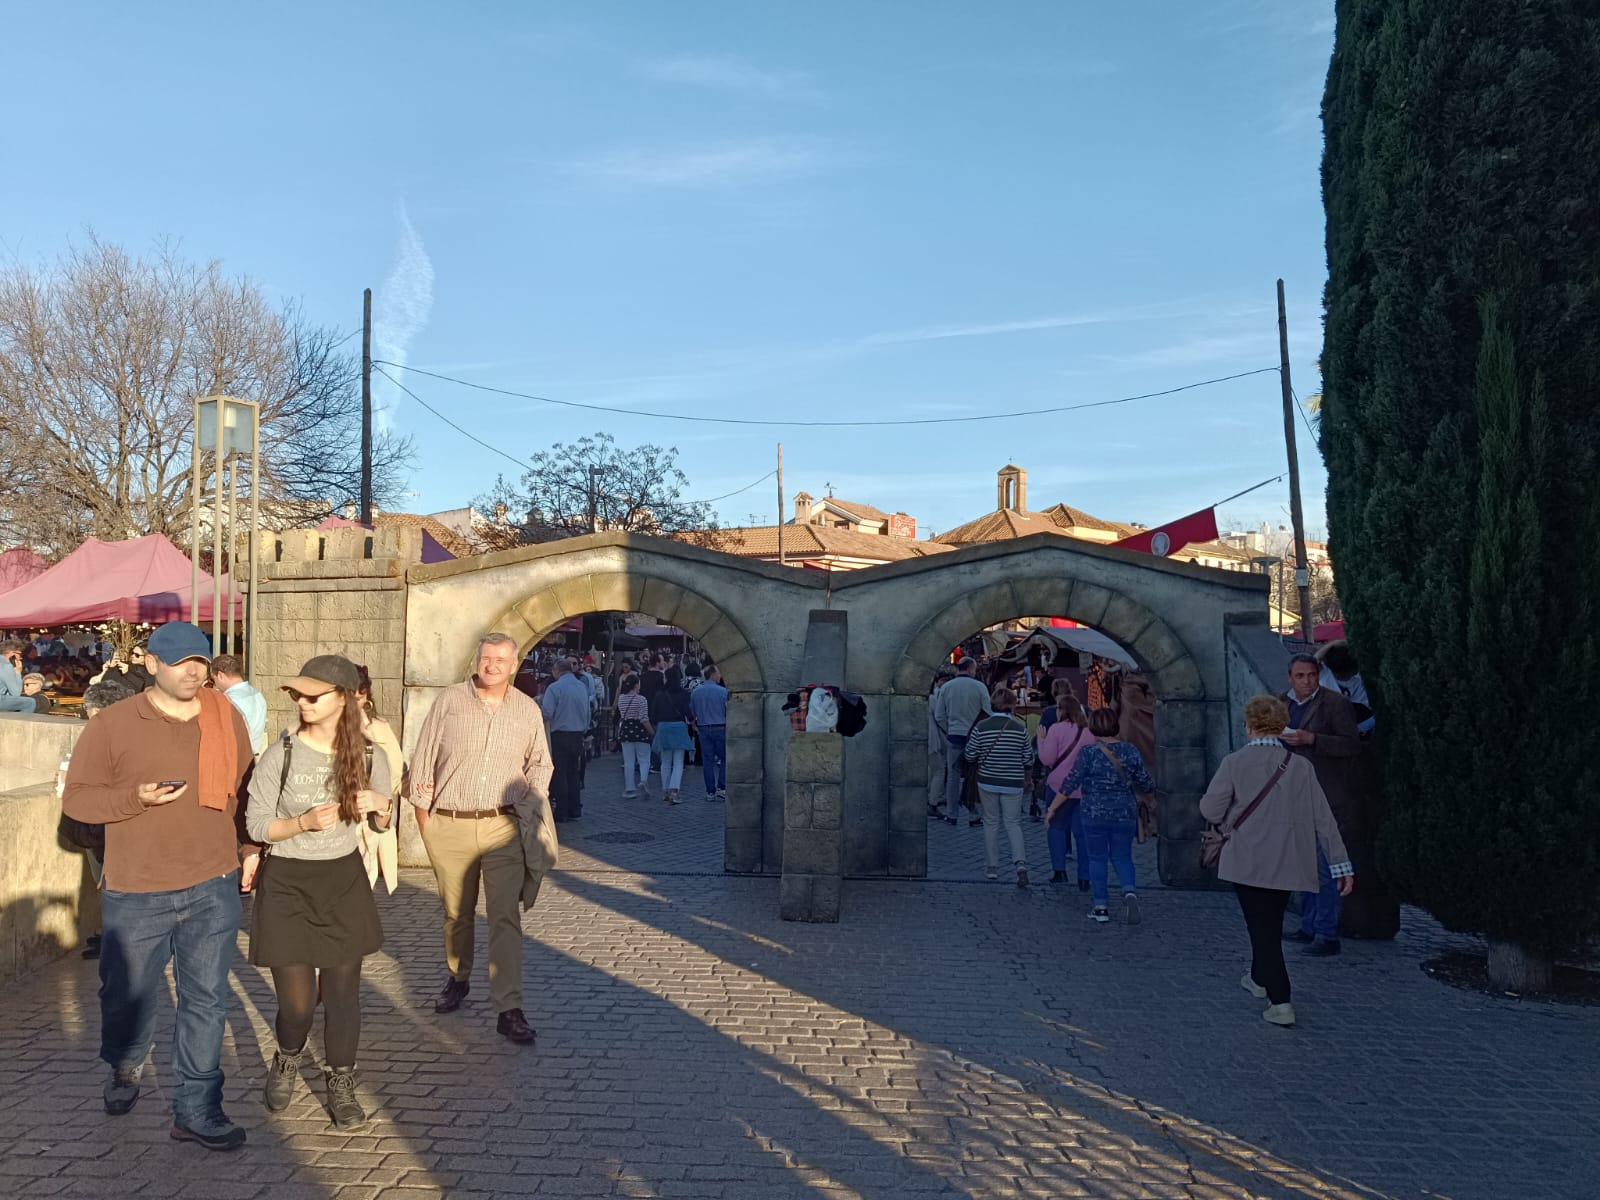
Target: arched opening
x,y
1157,688
705,829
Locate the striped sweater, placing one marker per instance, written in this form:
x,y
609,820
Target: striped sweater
x,y
1001,746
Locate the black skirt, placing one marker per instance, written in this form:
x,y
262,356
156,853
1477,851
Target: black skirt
x,y
316,911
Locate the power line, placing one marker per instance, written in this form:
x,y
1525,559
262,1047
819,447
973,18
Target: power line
x,y
659,416
520,462
1300,408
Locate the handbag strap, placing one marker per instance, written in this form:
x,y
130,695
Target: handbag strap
x,y
1062,757
1121,770
1262,795
985,756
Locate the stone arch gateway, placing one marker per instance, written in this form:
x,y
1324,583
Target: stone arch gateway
x,y
902,620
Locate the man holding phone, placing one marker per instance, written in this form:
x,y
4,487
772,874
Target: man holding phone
x,y
164,772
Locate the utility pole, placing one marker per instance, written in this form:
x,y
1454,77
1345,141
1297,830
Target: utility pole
x,y
366,407
1302,568
780,504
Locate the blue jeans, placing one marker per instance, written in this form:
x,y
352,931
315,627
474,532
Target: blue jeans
x,y
1109,842
1062,832
714,757
195,929
21,704
1319,910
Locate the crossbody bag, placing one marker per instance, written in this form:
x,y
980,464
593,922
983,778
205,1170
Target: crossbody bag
x,y
1215,837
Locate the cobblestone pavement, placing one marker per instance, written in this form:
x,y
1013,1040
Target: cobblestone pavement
x,y
947,1039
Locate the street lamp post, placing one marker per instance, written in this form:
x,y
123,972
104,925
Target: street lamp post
x,y
594,498
240,424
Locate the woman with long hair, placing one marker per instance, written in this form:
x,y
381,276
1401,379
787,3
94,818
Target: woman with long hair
x,y
1059,746
314,912
634,732
669,713
380,849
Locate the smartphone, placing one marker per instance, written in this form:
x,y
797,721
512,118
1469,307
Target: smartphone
x,y
172,783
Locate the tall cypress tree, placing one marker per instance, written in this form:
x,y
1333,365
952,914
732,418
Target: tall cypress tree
x,y
1461,374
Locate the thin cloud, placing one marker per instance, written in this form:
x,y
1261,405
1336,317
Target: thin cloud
x,y
401,308
725,165
734,75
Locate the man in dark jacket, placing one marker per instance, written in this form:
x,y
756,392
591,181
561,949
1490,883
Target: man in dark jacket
x,y
1322,727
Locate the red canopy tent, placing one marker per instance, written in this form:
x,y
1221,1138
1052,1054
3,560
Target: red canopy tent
x,y
142,579
1330,631
18,566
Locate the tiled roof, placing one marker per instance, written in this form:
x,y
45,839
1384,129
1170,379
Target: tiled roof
x,y
442,533
1065,515
815,541
864,511
1000,526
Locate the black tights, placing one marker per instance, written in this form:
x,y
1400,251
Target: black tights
x,y
1263,916
296,986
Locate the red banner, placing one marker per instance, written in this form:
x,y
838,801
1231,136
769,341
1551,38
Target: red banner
x,y
1175,535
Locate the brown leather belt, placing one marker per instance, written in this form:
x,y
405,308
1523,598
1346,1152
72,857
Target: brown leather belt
x,y
474,814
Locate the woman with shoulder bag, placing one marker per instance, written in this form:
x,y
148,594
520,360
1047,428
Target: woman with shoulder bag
x,y
669,713
1001,753
634,732
314,911
1059,746
1272,817
1108,772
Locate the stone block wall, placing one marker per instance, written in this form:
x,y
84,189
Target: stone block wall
x,y
48,900
813,827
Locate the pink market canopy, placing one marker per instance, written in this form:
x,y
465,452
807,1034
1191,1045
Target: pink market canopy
x,y
18,566
142,579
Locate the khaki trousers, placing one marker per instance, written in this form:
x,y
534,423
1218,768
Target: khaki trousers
x,y
463,852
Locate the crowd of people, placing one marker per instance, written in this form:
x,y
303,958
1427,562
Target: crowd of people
x,y
1274,802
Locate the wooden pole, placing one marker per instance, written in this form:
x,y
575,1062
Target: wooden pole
x,y
1302,572
366,407
780,504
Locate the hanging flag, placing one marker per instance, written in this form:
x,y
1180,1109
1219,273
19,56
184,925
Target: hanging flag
x,y
1175,535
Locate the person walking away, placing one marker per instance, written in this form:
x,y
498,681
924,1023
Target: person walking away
x,y
163,772
314,918
1276,848
669,713
1002,752
635,731
227,672
566,716
957,707
481,754
937,746
708,704
1060,743
1322,728
1106,774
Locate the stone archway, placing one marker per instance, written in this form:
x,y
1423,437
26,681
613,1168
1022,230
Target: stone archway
x,y
1183,713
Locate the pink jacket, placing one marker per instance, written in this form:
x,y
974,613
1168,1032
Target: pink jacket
x,y
1053,743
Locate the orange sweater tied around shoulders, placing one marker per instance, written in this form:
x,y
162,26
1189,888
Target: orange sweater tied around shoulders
x,y
219,751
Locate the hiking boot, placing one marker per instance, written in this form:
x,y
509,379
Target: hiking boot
x,y
1279,1014
282,1075
514,1026
1099,915
1022,876
342,1103
1130,909
213,1131
455,991
1299,935
1322,948
122,1089
1251,986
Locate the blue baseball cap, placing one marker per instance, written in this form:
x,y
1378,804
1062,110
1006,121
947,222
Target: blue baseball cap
x,y
179,640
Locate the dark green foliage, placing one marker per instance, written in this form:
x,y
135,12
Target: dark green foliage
x,y
1461,376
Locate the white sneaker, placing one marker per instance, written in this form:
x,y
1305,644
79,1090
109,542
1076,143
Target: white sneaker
x,y
1251,986
1279,1014
1130,909
1099,915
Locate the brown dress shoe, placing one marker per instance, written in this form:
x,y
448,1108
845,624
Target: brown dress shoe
x,y
515,1026
455,991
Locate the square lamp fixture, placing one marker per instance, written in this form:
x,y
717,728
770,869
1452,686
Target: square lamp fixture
x,y
238,423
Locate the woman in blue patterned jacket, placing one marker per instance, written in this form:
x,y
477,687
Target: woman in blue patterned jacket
x,y
1108,772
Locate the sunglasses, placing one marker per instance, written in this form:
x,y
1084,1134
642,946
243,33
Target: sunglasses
x,y
311,696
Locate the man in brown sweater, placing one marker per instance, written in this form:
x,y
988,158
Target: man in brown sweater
x,y
164,772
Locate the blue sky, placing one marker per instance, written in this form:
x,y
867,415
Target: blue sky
x,y
829,210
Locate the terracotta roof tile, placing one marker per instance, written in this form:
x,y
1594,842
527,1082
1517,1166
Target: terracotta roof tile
x,y
1000,526
442,533
814,541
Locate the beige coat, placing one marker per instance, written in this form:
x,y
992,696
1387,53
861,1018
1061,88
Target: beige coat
x,y
1277,847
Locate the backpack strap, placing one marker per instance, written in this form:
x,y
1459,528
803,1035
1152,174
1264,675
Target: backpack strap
x,y
287,743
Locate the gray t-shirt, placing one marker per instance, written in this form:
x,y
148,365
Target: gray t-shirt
x,y
307,786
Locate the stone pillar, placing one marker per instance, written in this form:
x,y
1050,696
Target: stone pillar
x,y
1182,771
813,828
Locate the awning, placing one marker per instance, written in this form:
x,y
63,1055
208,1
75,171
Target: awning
x,y
141,579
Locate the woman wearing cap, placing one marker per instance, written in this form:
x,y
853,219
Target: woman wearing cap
x,y
314,909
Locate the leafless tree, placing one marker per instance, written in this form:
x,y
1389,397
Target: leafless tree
x,y
101,357
594,484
